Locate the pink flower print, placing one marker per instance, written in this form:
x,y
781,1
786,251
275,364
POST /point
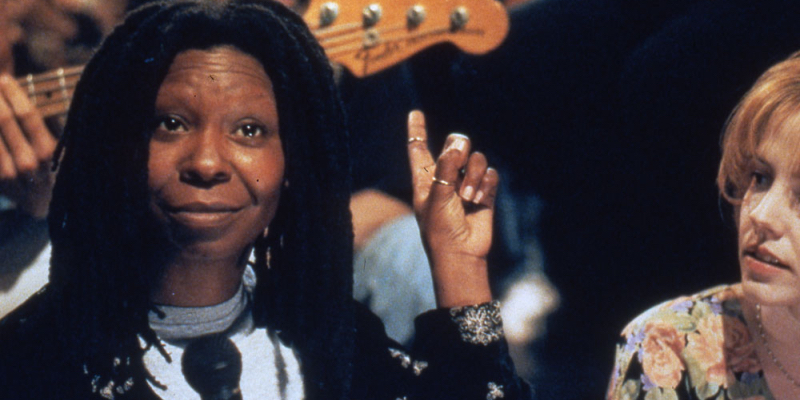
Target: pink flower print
x,y
705,345
661,349
740,351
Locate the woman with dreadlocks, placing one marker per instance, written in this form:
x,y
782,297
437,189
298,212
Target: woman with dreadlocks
x,y
202,243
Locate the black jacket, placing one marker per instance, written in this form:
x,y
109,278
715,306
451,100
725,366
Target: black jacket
x,y
449,360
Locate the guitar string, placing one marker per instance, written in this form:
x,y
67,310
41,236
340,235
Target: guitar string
x,y
335,51
54,108
50,102
42,90
358,36
320,33
53,75
50,76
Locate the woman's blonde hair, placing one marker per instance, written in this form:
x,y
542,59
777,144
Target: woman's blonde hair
x,y
773,99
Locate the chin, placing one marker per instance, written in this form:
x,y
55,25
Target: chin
x,y
214,250
771,293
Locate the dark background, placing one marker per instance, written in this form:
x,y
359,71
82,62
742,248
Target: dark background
x,y
611,112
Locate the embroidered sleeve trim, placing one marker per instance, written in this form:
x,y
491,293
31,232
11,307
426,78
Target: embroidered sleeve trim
x,y
405,361
479,324
495,391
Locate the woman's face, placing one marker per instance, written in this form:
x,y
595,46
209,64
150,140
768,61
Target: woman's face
x,y
769,219
216,164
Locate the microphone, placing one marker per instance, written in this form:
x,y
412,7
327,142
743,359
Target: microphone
x,y
212,365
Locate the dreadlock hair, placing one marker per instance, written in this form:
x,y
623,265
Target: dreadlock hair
x,y
107,252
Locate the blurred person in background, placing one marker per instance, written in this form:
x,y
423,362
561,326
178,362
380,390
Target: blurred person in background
x,y
35,36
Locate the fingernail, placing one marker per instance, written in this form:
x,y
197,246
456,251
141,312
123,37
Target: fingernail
x,y
458,142
416,117
478,197
467,192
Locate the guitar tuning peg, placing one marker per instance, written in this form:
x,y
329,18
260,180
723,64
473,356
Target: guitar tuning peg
x,y
372,14
328,13
415,15
458,18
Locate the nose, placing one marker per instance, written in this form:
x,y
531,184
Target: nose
x,y
205,164
767,214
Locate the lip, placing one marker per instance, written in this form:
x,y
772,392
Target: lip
x,y
202,208
762,262
201,215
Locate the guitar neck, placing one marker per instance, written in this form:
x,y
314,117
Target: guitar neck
x,y
52,91
365,36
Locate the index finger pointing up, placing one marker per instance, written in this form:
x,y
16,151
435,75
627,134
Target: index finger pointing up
x,y
422,165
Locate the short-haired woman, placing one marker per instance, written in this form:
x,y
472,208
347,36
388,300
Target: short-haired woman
x,y
736,341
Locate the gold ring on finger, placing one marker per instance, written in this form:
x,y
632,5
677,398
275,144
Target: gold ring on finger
x,y
415,139
441,181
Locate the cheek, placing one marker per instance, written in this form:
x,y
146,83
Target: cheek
x,y
745,228
743,210
267,179
742,229
268,198
793,233
158,170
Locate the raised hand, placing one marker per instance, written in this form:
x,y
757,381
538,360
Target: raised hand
x,y
26,149
454,203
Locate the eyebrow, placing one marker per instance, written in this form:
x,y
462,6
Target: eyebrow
x,y
758,159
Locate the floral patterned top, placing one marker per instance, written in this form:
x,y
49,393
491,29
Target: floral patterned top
x,y
695,347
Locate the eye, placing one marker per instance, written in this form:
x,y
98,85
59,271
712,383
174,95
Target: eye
x,y
760,180
251,131
170,124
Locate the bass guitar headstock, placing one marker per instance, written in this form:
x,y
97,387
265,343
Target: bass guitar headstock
x,y
369,36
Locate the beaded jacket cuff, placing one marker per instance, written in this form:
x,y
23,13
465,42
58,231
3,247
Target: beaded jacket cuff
x,y
479,324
